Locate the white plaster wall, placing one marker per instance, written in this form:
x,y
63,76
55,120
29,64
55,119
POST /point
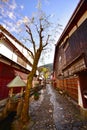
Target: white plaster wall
x,y
6,50
14,57
28,67
21,48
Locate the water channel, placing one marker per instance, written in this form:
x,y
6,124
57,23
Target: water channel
x,y
5,124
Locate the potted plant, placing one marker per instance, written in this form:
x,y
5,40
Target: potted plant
x,y
36,95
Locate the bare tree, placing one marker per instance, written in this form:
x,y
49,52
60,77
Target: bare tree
x,y
43,40
38,30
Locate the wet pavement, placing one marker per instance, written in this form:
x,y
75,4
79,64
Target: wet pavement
x,y
54,111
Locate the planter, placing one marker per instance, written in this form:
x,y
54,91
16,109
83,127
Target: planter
x,y
36,96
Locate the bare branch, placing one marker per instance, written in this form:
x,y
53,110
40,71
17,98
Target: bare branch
x,y
37,28
30,53
46,41
31,36
40,34
27,39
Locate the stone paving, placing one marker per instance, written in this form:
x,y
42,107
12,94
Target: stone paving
x,y
54,111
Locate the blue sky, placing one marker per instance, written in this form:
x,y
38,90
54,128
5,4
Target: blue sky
x,y
14,12
61,9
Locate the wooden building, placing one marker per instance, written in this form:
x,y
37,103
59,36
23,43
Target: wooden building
x,y
70,59
14,60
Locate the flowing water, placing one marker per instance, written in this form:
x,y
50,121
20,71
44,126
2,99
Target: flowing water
x,y
57,107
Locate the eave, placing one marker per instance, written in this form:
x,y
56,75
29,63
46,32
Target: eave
x,y
2,36
74,61
79,11
10,35
13,64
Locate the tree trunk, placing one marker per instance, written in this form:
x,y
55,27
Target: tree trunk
x,y
25,111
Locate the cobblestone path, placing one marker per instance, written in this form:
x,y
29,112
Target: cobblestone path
x,y
54,111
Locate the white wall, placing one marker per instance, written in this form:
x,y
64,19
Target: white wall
x,y
21,48
7,50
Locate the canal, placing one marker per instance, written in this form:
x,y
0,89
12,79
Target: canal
x,y
5,124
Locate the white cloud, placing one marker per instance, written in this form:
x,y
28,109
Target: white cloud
x,y
52,15
2,11
13,5
7,10
11,15
12,29
22,7
9,26
19,22
25,19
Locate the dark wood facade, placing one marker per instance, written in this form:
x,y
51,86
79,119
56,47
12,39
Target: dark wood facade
x,y
70,60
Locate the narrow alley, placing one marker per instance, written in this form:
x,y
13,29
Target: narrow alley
x,y
54,111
